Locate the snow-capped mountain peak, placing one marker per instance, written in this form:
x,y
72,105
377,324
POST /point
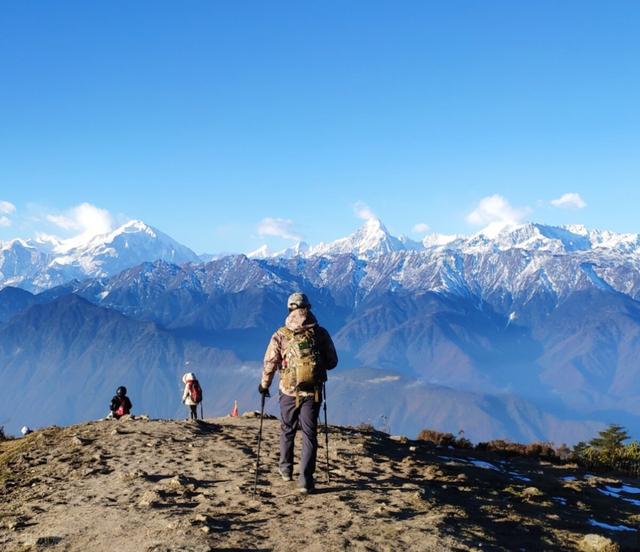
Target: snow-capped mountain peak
x,y
370,240
440,240
497,229
300,249
17,242
530,237
134,226
48,261
135,240
128,229
373,239
263,252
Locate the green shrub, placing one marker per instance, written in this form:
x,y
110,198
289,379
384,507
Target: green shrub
x,y
607,451
463,443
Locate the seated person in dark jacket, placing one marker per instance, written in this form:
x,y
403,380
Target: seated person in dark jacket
x,y
120,404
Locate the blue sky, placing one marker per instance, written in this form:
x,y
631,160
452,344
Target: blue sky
x,y
221,121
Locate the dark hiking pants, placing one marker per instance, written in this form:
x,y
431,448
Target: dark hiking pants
x,y
306,418
193,411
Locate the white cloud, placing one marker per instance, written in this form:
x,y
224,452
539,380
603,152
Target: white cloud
x,y
384,379
363,211
421,228
5,221
570,200
279,227
495,209
63,222
7,208
87,219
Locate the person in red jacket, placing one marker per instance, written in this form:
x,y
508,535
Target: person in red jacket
x,y
192,394
120,404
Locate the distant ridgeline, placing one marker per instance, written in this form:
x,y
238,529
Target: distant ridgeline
x,y
529,333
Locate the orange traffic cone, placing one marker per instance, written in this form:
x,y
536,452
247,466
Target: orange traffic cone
x,y
234,412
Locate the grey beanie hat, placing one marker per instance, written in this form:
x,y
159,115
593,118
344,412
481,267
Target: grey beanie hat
x,y
298,301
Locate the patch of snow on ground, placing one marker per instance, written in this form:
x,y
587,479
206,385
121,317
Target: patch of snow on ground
x,y
452,459
485,465
519,476
595,523
568,478
560,499
615,492
488,466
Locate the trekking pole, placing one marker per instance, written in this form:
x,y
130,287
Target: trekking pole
x,y
201,411
255,483
326,429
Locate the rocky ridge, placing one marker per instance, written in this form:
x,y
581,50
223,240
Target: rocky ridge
x,y
152,485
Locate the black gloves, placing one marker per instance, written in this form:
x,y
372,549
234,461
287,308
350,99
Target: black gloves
x,y
263,390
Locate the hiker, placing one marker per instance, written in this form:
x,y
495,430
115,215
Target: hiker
x,y
120,404
192,394
302,352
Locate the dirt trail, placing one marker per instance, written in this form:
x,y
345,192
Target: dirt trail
x,y
140,485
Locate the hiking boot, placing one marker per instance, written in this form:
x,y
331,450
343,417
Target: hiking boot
x,y
285,476
306,490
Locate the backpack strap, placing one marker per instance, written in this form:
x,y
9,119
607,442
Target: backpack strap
x,y
286,333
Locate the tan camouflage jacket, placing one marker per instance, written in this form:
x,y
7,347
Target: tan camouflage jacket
x,y
297,319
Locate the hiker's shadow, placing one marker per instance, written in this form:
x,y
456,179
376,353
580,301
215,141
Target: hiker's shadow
x,y
205,428
339,489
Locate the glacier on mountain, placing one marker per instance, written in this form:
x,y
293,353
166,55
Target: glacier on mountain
x,y
45,262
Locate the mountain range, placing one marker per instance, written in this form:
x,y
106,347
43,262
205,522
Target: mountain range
x,y
39,264
524,332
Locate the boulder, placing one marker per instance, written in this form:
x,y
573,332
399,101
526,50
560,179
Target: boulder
x,y
597,543
256,414
531,492
150,499
179,483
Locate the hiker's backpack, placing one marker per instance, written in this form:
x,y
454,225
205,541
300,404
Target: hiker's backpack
x,y
301,362
195,391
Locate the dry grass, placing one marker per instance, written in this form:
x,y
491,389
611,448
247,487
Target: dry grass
x,y
444,439
532,450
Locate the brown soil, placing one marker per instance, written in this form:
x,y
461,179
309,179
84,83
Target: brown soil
x,y
140,485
